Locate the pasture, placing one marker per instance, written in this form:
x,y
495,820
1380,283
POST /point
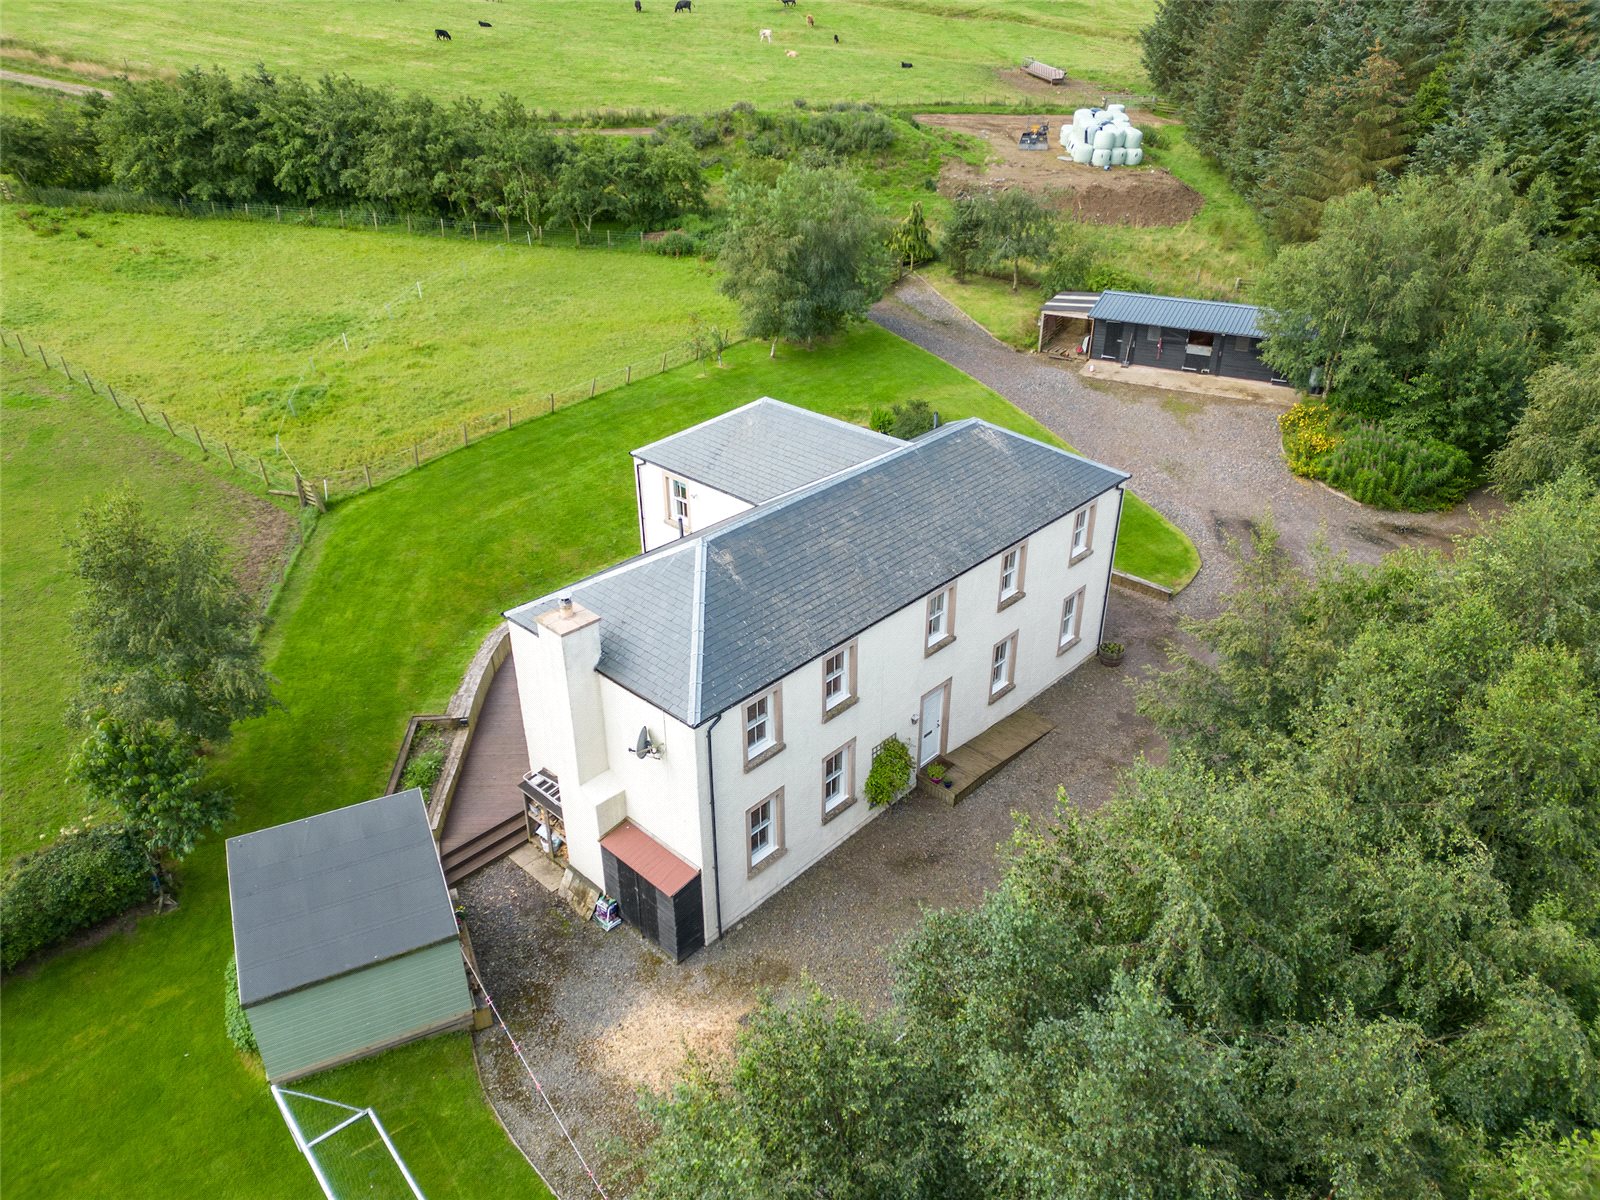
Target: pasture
x,y
583,55
316,338
58,452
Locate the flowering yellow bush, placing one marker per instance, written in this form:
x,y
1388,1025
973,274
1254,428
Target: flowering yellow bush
x,y
1308,434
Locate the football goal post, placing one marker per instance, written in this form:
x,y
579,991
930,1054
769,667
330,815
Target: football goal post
x,y
348,1148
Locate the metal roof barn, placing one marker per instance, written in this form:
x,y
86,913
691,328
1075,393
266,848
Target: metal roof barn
x,y
1176,312
345,935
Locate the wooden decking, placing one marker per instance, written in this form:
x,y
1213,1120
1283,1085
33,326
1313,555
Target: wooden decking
x,y
485,818
970,764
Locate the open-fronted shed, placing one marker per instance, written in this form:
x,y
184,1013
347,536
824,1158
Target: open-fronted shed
x,y
1208,337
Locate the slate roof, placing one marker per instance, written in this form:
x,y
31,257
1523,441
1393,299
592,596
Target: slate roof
x,y
710,619
1174,312
330,894
765,449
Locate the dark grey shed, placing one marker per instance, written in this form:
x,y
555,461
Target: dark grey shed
x,y
1207,337
345,935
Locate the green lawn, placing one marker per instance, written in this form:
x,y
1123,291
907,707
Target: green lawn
x,y
255,317
589,54
1013,317
61,448
385,607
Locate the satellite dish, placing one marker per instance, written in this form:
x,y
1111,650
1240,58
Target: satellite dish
x,y
645,747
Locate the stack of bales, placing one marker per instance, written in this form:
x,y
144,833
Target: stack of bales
x,y
1103,137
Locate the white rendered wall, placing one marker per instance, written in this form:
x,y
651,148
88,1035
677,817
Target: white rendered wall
x,y
661,795
893,674
707,506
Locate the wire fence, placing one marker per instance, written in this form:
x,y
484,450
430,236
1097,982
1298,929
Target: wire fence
x,y
332,216
283,475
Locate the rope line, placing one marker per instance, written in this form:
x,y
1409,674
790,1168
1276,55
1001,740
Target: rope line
x,y
537,1086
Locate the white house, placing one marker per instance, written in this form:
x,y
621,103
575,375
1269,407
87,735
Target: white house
x,y
701,718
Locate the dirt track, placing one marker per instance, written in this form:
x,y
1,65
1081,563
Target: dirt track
x,y
1125,196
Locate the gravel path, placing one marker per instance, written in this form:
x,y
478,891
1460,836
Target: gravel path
x,y
1212,466
54,85
601,1015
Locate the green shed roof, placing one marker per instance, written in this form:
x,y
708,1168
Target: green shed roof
x,y
330,894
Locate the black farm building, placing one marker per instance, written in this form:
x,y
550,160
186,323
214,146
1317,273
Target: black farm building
x,y
1207,337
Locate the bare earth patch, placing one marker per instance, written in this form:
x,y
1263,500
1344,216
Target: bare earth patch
x,y
1124,196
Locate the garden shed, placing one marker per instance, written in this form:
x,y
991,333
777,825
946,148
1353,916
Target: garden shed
x,y
1065,313
345,935
1207,337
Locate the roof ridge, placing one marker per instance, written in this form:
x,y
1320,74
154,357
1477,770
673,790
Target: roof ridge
x,y
634,562
1180,299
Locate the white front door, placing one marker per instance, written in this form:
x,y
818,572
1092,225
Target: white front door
x,y
931,743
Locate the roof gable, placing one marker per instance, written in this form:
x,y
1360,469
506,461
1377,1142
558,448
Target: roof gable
x,y
710,619
765,449
320,897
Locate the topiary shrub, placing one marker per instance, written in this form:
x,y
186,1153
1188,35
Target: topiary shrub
x,y
890,774
88,876
1387,469
233,1016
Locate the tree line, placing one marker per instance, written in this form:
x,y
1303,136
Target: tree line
x,y
1304,101
1345,942
268,137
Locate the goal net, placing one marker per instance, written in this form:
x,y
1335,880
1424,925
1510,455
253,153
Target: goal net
x,y
347,1147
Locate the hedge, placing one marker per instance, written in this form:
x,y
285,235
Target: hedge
x,y
88,876
233,1016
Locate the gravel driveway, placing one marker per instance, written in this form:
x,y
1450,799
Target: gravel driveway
x,y
602,1015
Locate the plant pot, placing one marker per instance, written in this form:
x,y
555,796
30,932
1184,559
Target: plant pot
x,y
1110,658
947,783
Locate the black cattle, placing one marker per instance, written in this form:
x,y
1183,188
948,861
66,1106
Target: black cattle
x,y
789,3
836,39
683,6
638,5
485,25
441,35
905,66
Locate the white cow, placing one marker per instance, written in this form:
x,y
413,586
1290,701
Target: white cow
x,y
766,35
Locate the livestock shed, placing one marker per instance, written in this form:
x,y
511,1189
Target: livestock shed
x,y
1065,313
1208,337
345,935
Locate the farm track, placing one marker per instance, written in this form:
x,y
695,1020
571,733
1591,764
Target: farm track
x,y
54,85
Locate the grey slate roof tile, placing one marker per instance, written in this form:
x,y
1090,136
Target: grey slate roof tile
x,y
320,897
1175,312
765,449
777,586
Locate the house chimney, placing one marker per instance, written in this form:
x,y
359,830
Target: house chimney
x,y
568,651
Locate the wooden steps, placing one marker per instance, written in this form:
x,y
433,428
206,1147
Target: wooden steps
x,y
483,848
969,765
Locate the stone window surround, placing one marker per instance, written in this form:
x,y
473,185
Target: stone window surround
x,y
849,650
1076,555
1005,689
1007,599
776,847
1062,646
775,720
671,519
849,783
949,592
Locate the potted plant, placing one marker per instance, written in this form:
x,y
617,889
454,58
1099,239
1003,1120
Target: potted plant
x,y
937,772
1110,653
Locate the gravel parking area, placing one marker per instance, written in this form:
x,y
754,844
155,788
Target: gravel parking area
x,y
602,1015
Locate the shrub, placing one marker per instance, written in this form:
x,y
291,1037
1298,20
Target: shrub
x,y
912,419
233,1018
1103,277
89,875
423,772
1379,466
676,244
882,420
1071,263
1308,434
890,773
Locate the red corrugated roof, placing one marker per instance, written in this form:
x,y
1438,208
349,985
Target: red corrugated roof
x,y
659,866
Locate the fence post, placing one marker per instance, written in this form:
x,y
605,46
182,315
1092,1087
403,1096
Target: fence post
x,y
474,231
66,370
341,218
416,459
608,239
140,407
441,226
168,423
641,239
262,463
408,222
279,209
663,360
374,218
552,402
464,440
228,450
200,441
345,340
324,494
367,471
592,384
247,208
419,289
113,393
89,379
508,420
530,237
629,379
541,235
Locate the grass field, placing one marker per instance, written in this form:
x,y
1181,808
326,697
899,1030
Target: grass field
x,y
248,339
58,453
589,54
385,607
